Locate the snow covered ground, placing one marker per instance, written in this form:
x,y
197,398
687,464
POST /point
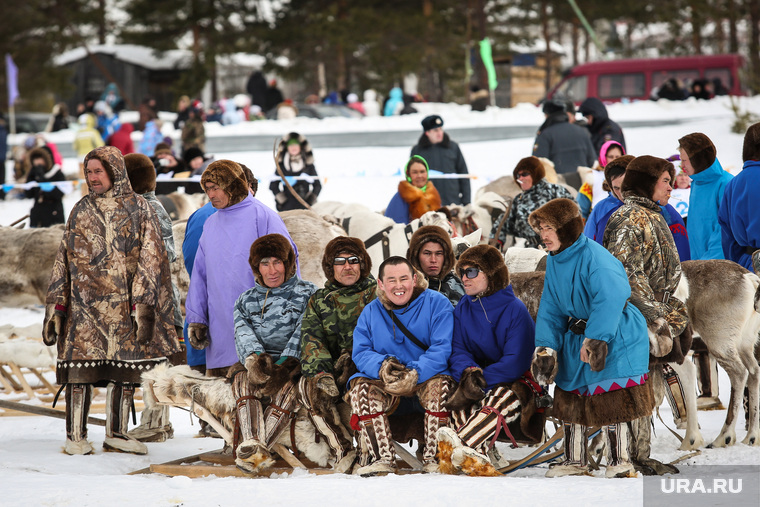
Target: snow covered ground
x,y
34,471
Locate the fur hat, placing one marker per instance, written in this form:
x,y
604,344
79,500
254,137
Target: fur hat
x,y
354,246
44,154
564,216
751,148
614,169
533,165
162,149
141,172
642,174
700,149
272,245
490,261
554,106
426,234
228,176
432,122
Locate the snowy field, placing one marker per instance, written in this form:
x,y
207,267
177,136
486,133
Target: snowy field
x,y
34,471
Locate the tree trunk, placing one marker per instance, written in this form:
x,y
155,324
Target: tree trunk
x,y
753,7
733,35
575,39
547,41
102,21
696,29
427,12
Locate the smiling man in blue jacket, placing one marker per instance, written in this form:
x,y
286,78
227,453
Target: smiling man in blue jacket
x,y
402,344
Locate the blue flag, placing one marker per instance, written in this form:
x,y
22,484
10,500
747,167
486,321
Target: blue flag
x,y
12,74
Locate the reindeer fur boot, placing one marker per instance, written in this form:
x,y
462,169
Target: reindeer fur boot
x,y
78,397
433,395
369,404
251,453
118,405
617,443
154,421
576,462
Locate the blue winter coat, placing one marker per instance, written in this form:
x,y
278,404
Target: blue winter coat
x,y
429,317
398,209
193,232
707,188
503,347
601,213
585,281
739,215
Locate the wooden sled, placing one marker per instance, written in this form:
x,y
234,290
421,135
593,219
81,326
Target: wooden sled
x,y
221,464
544,453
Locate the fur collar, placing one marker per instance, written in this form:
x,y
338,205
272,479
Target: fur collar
x,y
424,142
418,289
419,202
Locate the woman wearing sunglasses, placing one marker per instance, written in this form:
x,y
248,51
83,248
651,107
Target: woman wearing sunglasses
x,y
416,194
493,344
589,341
530,174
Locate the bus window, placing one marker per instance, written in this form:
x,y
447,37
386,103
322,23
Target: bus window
x,y
615,86
724,75
685,76
573,89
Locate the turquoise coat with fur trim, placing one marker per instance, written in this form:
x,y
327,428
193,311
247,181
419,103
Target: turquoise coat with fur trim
x,y
585,281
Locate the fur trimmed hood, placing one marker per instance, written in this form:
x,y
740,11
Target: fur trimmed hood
x,y
751,147
426,234
44,154
642,174
491,262
564,216
306,153
113,163
228,176
533,165
419,288
141,172
700,149
272,245
354,246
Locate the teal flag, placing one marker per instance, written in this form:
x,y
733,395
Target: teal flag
x,y
487,58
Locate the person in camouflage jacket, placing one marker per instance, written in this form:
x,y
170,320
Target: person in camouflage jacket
x,y
194,133
430,252
267,320
327,335
109,303
639,237
529,173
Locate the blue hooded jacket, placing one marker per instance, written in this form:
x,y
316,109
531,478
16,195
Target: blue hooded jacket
x,y
707,188
429,317
495,333
739,215
585,281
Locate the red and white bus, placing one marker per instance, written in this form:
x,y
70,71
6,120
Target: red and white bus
x,y
634,79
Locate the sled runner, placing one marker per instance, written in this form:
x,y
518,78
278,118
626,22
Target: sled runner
x,y
544,453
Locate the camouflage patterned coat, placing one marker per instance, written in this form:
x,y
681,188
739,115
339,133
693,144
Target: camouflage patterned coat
x,y
111,257
168,236
639,237
328,324
194,135
450,286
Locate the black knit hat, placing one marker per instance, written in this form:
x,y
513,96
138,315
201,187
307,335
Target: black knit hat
x,y
554,106
491,262
432,122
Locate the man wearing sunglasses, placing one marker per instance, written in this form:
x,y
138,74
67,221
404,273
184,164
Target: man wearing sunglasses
x,y
430,251
327,333
402,343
